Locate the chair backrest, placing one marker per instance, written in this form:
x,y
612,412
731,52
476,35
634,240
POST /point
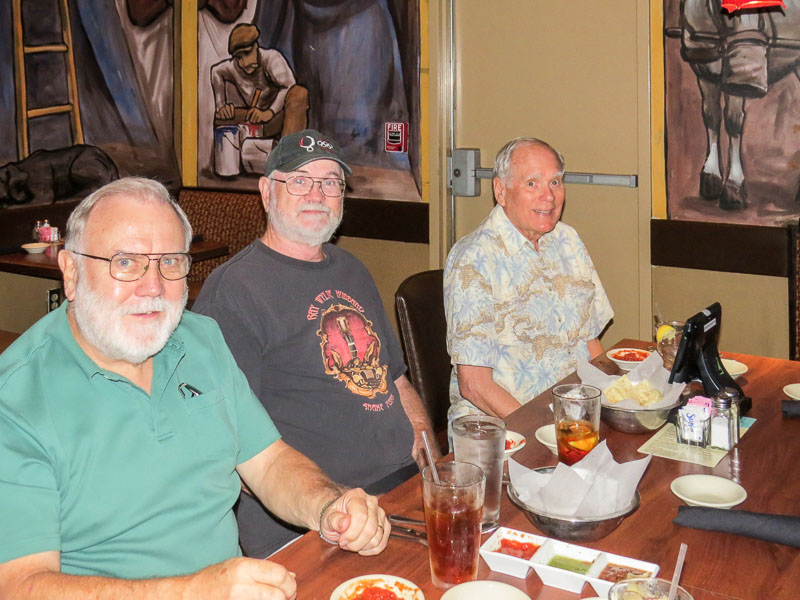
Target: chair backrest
x,y
234,218
419,302
794,291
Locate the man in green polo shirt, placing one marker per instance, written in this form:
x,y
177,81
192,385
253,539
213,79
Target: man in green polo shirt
x,y
126,430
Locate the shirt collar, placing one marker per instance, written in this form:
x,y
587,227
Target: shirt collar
x,y
62,334
513,240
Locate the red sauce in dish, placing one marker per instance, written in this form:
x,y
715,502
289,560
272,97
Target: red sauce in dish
x,y
631,355
509,444
375,589
376,593
517,548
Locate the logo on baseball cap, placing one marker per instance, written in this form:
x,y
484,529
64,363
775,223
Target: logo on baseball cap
x,y
298,149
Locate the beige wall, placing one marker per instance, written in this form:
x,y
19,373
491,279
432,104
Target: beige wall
x,y
755,308
389,263
23,300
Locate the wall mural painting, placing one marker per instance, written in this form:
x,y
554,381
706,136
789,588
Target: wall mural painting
x,y
349,68
266,68
101,109
732,112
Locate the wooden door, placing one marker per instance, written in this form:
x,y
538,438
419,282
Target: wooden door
x,y
576,75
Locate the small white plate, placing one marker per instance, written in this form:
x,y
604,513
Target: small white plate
x,y
517,442
35,247
352,588
792,390
734,368
481,590
708,490
627,365
546,435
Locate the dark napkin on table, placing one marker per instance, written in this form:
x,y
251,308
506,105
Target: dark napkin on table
x,y
780,529
790,408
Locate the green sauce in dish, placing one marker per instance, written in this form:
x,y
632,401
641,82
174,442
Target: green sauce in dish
x,y
569,564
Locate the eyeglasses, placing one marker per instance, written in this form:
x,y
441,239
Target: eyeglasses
x,y
130,266
300,185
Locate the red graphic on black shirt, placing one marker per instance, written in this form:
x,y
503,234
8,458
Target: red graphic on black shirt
x,y
351,351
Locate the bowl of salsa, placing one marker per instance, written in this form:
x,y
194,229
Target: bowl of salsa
x,y
627,358
514,442
377,587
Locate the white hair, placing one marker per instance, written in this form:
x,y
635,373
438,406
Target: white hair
x,y
502,163
138,187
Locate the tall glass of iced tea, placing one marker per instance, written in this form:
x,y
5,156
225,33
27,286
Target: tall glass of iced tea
x,y
453,511
576,409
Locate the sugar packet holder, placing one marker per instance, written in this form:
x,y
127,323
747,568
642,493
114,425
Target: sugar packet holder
x,y
693,423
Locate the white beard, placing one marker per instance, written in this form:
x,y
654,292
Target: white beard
x,y
289,228
101,324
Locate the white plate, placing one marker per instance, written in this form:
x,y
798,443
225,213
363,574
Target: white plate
x,y
484,590
734,368
517,442
403,588
546,435
708,490
792,390
627,365
35,247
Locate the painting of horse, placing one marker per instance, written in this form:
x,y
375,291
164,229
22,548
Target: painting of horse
x,y
743,64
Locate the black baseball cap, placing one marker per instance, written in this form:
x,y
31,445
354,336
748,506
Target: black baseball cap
x,y
298,149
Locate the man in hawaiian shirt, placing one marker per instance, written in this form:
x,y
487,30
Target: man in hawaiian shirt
x,y
523,301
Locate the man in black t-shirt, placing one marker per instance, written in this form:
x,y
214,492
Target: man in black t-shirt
x,y
307,326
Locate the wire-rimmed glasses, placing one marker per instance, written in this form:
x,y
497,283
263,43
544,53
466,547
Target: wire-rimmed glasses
x,y
130,266
300,185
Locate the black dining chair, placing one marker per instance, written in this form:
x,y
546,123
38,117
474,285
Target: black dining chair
x,y
419,302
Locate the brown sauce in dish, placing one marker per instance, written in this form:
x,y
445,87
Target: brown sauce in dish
x,y
615,573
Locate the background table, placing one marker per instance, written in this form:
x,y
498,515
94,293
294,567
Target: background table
x,y
718,565
45,264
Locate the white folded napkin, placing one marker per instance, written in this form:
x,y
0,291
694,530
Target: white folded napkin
x,y
594,486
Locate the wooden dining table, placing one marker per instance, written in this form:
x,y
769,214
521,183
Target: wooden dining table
x,y
718,565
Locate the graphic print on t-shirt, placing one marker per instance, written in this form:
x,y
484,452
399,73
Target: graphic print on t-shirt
x,y
351,350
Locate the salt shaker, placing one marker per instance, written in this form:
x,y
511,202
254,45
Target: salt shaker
x,y
725,419
36,230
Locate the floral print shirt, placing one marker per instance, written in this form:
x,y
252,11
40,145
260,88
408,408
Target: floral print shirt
x,y
526,314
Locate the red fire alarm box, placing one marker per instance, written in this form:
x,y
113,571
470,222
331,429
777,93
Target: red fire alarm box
x,y
396,137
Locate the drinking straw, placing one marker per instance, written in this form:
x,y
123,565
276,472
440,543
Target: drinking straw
x,y
430,457
673,587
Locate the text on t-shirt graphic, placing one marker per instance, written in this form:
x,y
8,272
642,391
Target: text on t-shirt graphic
x,y
351,350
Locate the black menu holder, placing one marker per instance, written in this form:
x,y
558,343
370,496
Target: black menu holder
x,y
698,356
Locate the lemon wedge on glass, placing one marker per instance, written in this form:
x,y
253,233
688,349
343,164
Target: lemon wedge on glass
x,y
665,332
